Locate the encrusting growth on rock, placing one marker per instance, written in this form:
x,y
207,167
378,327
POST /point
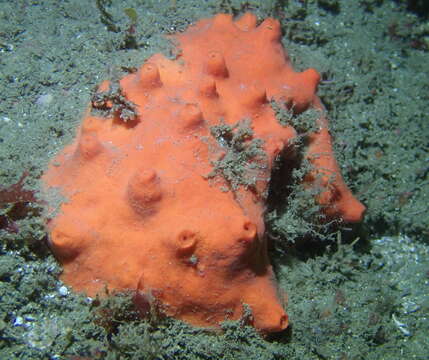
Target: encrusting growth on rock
x,y
145,209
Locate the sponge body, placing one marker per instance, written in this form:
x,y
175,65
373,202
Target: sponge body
x,y
145,209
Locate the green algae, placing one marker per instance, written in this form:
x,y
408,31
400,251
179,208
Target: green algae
x,y
243,161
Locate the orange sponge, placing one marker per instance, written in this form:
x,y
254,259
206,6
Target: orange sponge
x,y
166,191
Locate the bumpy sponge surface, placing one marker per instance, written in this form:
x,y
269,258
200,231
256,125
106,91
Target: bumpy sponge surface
x,y
165,193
